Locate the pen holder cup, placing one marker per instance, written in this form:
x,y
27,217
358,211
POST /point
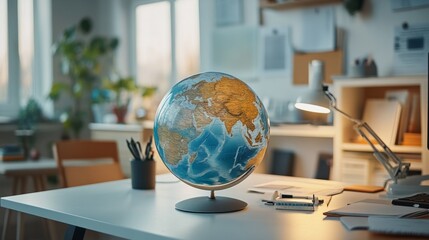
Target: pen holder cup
x,y
143,174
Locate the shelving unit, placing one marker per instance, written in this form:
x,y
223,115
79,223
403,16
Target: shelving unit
x,y
294,3
353,162
291,4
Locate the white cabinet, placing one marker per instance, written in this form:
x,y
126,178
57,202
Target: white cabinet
x,y
353,162
120,133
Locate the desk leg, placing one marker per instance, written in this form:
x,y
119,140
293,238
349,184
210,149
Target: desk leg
x,y
19,226
74,233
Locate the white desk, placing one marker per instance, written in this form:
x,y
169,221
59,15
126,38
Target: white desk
x,y
114,208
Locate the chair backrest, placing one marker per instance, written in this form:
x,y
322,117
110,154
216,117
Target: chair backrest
x,y
82,162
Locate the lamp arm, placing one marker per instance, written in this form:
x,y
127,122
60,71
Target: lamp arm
x,y
390,161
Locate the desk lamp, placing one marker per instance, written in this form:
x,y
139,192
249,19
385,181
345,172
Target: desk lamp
x,y
401,183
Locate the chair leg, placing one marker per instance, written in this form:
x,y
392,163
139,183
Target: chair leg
x,y
52,233
5,224
15,189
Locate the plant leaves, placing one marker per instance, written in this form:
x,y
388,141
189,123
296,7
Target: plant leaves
x,y
85,25
56,90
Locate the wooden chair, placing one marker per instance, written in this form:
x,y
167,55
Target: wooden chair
x,y
82,162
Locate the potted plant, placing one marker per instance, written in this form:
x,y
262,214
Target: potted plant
x,y
122,89
81,62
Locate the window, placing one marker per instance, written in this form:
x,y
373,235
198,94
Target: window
x,y
25,30
3,52
166,41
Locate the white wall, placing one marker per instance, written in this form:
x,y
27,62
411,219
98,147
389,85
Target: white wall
x,y
369,32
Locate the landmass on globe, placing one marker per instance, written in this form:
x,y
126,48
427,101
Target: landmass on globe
x,y
210,129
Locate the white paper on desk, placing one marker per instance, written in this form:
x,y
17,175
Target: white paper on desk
x,y
416,226
365,209
296,187
355,223
317,30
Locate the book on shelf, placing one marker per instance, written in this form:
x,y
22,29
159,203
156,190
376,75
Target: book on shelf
x,y
11,153
383,116
412,139
403,96
414,125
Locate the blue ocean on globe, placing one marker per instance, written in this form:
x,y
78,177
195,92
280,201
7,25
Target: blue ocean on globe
x,y
211,129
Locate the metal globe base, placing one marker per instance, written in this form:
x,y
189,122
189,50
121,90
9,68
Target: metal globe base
x,y
211,204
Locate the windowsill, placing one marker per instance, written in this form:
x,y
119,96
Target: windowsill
x,y
115,127
5,120
43,126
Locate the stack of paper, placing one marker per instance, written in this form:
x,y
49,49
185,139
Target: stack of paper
x,y
418,227
381,216
366,209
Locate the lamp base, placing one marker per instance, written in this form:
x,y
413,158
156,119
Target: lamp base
x,y
211,205
408,186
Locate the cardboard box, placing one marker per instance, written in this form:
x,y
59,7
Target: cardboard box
x,y
333,65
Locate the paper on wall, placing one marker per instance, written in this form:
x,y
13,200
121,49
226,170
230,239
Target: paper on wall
x,y
275,51
411,45
316,33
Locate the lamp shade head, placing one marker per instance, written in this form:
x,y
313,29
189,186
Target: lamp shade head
x,y
315,101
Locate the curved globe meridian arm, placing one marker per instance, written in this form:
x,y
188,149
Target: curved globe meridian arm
x,y
390,161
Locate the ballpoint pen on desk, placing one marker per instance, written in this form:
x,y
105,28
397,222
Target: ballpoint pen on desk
x,y
279,196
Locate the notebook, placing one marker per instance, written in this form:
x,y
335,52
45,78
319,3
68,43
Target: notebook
x,y
365,209
403,226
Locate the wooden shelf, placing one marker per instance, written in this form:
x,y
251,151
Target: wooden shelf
x,y
295,4
302,130
358,147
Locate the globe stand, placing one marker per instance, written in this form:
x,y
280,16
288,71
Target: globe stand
x,y
211,204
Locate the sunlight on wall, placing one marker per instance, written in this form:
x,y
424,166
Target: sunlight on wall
x,y
153,44
187,38
167,42
3,52
26,46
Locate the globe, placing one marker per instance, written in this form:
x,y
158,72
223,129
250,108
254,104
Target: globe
x,y
211,130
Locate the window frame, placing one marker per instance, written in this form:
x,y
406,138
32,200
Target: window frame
x,y
133,42
41,69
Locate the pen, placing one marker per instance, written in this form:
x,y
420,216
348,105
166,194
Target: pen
x,y
329,201
130,147
278,195
294,196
